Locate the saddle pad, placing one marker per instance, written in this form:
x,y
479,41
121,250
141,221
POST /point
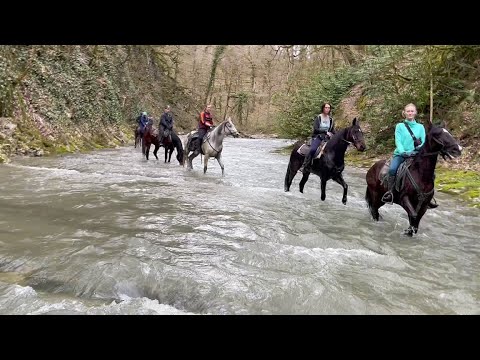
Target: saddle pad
x,y
305,149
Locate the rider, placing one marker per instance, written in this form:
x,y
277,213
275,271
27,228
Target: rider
x,y
166,123
205,123
323,129
142,121
406,146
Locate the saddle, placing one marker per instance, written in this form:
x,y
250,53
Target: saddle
x,y
167,136
305,149
155,132
399,177
193,144
194,135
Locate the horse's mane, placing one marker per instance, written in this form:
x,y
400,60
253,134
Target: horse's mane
x,y
336,138
176,141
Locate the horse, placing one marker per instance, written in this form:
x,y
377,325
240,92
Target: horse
x,y
212,144
414,186
331,163
171,143
150,136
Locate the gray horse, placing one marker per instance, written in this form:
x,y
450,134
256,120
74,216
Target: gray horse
x,y
212,145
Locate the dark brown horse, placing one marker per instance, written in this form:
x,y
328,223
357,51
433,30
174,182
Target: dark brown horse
x,y
332,161
418,184
151,136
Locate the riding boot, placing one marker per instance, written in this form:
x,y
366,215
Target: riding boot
x,y
388,196
199,143
433,203
307,162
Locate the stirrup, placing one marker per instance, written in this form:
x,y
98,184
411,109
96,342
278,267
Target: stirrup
x,y
432,205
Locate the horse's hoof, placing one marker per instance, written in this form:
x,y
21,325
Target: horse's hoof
x,y
408,233
286,189
344,202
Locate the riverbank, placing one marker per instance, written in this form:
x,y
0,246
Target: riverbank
x,y
25,138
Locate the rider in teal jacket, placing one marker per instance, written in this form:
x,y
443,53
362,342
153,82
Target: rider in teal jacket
x,y
405,147
404,141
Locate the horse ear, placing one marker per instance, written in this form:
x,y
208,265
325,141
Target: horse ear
x,y
428,125
355,122
443,124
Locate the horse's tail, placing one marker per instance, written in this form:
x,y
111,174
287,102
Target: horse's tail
x,y
294,163
187,145
177,144
372,188
368,199
287,178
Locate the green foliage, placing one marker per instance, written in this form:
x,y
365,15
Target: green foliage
x,y
403,74
80,92
240,106
299,109
391,77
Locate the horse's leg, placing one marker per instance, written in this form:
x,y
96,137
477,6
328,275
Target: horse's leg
x,y
412,215
170,154
323,186
220,162
303,181
205,162
157,146
420,214
339,179
147,150
190,159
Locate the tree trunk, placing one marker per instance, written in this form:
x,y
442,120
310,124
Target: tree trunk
x,y
219,50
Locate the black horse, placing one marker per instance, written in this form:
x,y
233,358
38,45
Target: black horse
x,y
416,187
174,143
331,162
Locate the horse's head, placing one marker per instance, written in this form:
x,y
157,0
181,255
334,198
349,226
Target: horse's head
x,y
439,139
181,158
230,129
355,136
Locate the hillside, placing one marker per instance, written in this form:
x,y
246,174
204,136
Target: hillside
x,y
56,99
